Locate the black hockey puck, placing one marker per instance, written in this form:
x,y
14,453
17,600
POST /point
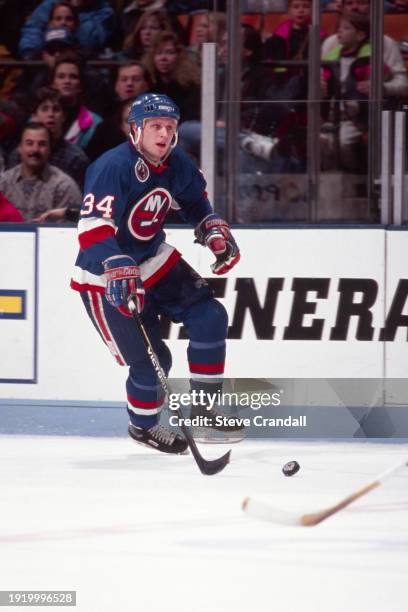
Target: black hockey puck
x,y
291,468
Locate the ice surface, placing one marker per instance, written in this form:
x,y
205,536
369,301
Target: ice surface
x,y
132,530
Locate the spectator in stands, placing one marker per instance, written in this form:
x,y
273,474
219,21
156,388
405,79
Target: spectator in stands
x,y
97,95
290,40
57,41
127,19
139,40
173,73
95,17
67,78
111,132
59,34
134,10
8,212
71,159
131,80
206,28
253,77
35,186
255,125
348,79
398,85
128,80
64,15
288,87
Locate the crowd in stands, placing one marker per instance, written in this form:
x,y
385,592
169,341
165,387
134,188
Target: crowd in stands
x,y
70,69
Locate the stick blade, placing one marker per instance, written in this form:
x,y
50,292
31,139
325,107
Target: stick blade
x,y
263,511
209,468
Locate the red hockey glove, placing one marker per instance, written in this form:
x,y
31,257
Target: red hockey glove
x,y
215,233
123,282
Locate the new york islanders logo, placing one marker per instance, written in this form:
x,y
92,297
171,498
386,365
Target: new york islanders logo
x,y
142,171
148,214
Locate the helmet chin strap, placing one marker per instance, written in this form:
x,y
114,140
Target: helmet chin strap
x,y
135,139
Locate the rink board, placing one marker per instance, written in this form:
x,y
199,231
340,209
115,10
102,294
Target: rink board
x,y
303,303
18,306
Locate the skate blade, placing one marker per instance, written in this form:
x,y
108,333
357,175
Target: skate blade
x,y
185,452
204,436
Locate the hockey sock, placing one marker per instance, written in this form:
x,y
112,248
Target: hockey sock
x,y
143,421
207,390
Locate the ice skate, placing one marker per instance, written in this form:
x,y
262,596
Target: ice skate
x,y
215,427
160,438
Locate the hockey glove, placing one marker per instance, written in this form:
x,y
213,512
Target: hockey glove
x,y
123,282
215,233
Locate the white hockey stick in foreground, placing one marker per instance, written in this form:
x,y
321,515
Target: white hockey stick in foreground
x,y
262,510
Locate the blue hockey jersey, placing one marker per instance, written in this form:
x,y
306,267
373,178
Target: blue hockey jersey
x,y
124,207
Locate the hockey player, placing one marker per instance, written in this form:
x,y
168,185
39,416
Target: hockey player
x,y
123,255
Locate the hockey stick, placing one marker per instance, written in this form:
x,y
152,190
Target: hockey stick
x,y
263,511
206,467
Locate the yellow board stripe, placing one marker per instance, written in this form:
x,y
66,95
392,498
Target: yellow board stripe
x,y
11,304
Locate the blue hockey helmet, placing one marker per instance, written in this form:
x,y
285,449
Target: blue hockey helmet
x,y
149,106
152,105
